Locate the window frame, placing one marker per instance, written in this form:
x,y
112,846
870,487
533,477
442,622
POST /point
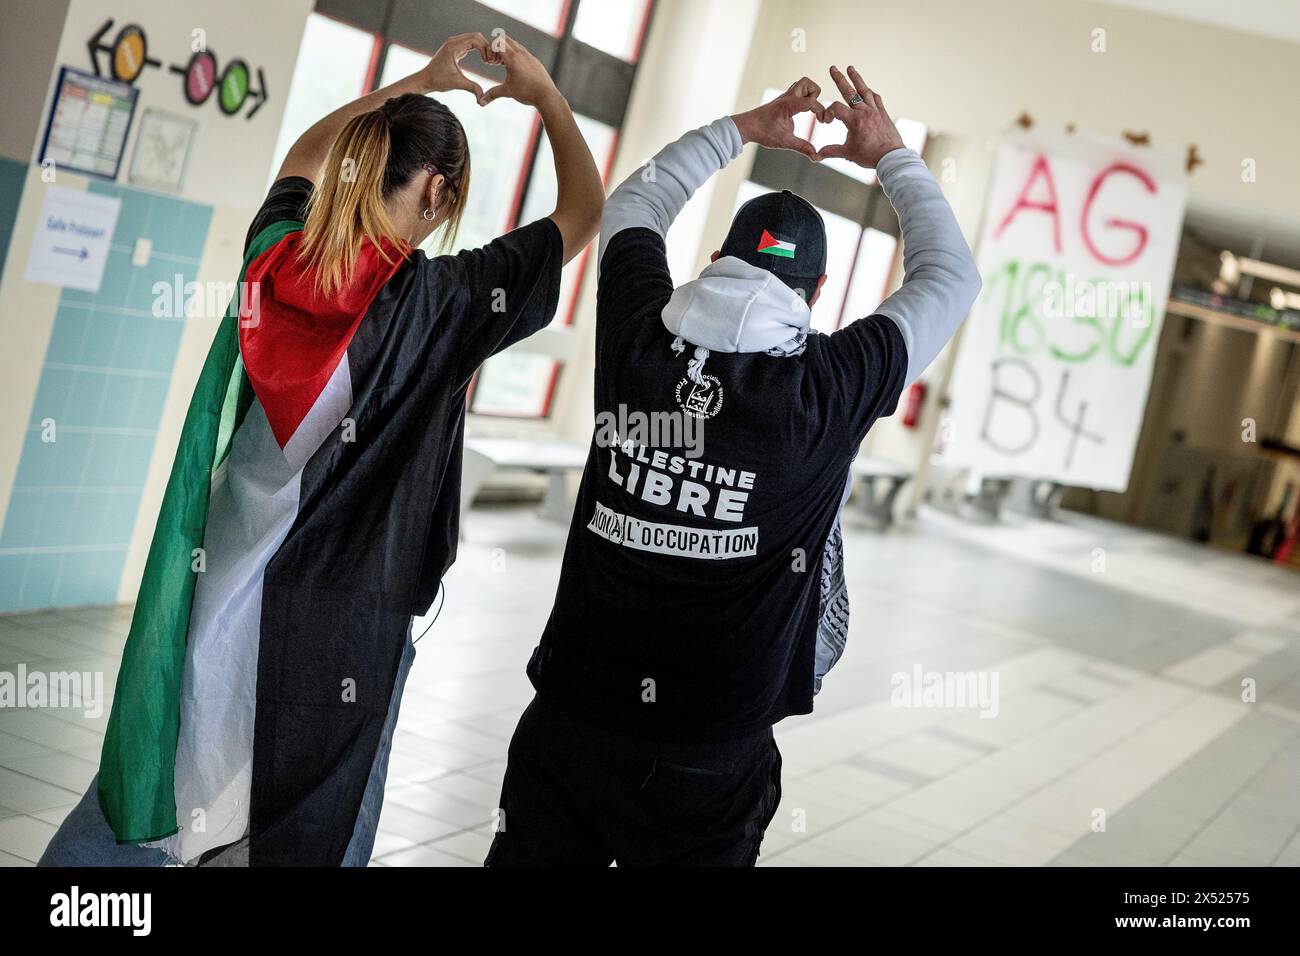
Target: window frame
x,y
828,189
597,85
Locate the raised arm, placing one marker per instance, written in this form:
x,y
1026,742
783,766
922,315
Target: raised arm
x,y
580,193
654,195
442,73
940,281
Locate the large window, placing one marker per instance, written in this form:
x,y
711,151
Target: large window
x,y
913,134
541,194
333,68
615,26
590,46
500,138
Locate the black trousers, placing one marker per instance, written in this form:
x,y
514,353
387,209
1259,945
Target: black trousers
x,y
576,795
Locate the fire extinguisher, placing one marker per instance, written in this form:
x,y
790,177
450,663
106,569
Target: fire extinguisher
x,y
915,399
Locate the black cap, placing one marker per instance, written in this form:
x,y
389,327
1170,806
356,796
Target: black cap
x,y
784,234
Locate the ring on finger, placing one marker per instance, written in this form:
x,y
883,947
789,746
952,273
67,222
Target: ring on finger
x,y
855,99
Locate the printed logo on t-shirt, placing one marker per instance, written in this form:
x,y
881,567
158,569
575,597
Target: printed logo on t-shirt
x,y
681,489
700,400
675,539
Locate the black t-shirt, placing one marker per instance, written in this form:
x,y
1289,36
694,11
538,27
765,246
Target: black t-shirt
x,y
688,602
411,359
378,503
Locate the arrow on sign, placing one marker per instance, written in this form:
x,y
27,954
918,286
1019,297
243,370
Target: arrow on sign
x,y
78,253
128,53
260,93
96,44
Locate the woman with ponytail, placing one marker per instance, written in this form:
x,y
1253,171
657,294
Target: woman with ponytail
x,y
313,503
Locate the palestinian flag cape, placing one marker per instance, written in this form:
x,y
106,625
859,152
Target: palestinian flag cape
x,y
310,512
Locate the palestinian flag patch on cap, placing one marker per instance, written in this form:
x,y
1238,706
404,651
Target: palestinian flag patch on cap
x,y
773,246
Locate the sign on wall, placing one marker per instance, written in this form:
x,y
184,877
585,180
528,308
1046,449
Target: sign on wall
x,y
88,123
70,245
126,56
162,150
1077,252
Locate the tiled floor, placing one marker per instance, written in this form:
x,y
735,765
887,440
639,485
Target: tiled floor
x,y
1121,735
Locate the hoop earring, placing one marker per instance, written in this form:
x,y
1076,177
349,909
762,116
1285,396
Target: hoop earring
x,y
428,215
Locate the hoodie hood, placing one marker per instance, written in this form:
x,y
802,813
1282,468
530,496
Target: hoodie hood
x,y
736,307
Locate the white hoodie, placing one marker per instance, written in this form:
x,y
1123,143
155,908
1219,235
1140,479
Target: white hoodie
x,y
737,307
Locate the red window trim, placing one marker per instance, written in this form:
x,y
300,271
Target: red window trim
x,y
640,36
558,29
372,78
525,170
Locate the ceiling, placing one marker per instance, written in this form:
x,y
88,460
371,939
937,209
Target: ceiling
x,y
1275,19
1229,227
1219,224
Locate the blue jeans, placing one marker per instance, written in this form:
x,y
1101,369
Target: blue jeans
x,y
86,839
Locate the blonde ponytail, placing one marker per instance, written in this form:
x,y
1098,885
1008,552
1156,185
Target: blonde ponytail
x,y
347,205
373,157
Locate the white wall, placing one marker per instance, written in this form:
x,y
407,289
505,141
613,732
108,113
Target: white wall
x,y
229,160
228,170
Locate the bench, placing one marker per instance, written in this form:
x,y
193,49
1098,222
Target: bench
x,y
1038,498
880,481
967,494
553,458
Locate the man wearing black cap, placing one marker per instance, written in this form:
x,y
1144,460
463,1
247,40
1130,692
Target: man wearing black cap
x,y
698,601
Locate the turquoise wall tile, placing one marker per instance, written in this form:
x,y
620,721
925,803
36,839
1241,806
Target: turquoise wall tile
x,y
101,461
159,343
13,568
132,218
67,338
117,406
105,380
116,283
54,396
139,293
101,339
192,231
119,516
21,528
86,400
88,516
71,450
101,188
135,453
150,396
37,464
58,520
86,578
78,579
40,580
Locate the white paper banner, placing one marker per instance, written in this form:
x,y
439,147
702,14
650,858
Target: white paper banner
x,y
1077,253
